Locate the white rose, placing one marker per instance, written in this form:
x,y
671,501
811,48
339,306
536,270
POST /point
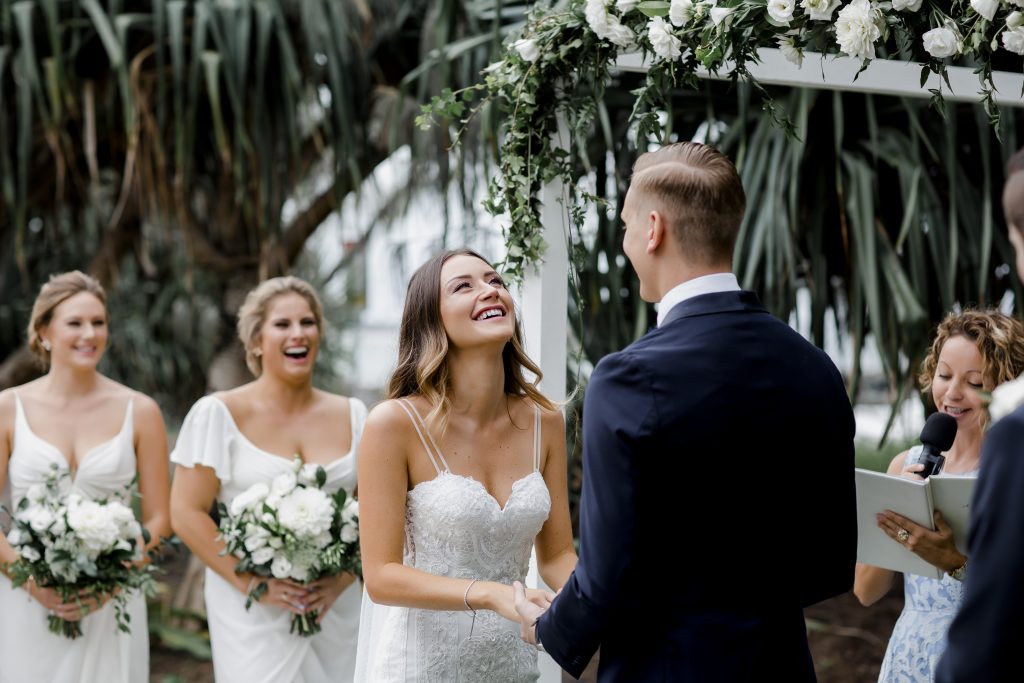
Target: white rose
x,y
263,555
30,554
681,12
283,484
720,14
1014,19
256,538
350,511
857,29
1013,40
666,46
986,8
1009,395
323,540
307,475
249,499
37,517
627,5
275,542
349,533
299,573
306,512
781,10
36,493
597,16
619,35
17,537
906,5
280,567
94,524
527,49
790,50
820,10
941,43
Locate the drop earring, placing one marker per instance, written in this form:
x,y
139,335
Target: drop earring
x,y
46,345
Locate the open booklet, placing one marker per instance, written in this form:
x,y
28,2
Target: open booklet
x,y
914,500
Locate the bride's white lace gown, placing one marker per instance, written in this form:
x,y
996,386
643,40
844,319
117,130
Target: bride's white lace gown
x,y
28,651
255,645
454,527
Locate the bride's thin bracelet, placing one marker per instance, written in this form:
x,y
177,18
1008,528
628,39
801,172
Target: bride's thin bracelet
x,y
465,599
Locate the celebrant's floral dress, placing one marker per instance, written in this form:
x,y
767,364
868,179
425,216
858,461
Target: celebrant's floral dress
x,y
28,650
255,645
919,637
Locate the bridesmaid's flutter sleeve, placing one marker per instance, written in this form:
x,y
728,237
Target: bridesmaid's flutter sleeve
x,y
205,438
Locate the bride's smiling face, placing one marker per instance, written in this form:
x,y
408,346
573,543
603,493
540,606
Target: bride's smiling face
x,y
475,306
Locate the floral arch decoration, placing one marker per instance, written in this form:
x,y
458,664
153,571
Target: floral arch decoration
x,y
555,72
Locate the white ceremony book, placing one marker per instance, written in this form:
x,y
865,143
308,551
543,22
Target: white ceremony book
x,y
914,500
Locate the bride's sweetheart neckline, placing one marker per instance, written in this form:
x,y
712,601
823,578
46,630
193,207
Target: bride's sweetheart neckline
x,y
78,461
285,458
491,496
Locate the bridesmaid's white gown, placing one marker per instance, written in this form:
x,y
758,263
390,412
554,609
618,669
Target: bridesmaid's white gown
x,y
254,645
102,654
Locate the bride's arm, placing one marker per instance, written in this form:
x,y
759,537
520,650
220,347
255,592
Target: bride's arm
x,y
556,554
383,482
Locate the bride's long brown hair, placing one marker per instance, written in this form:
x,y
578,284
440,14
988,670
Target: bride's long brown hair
x,y
423,347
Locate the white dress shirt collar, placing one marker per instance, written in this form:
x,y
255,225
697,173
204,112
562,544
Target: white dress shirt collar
x,y
705,284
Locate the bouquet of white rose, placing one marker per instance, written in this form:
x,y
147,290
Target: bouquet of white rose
x,y
80,548
292,529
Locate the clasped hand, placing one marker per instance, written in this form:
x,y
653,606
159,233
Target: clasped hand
x,y
304,598
530,605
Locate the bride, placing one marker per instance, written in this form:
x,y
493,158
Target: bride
x,y
460,473
105,435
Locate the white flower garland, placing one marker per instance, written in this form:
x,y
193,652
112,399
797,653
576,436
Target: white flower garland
x,y
574,46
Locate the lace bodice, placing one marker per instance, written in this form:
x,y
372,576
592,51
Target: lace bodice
x,y
455,527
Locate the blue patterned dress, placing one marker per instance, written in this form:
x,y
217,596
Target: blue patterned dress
x,y
919,638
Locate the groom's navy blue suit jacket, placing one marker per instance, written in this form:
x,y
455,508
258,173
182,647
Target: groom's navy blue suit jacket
x,y
987,633
718,500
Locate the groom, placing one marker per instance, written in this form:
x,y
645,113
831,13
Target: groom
x,y
721,439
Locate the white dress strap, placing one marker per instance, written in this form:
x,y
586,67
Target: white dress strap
x,y
417,422
536,438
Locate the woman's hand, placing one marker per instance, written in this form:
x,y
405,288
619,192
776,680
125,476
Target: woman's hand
x,y
75,610
287,595
911,471
503,601
934,547
323,592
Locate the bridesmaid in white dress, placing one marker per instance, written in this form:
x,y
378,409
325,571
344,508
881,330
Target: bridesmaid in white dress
x,y
452,503
104,434
234,439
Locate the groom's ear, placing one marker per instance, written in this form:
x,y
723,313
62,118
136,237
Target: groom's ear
x,y
656,227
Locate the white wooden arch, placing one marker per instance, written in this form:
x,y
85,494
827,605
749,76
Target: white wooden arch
x,y
545,289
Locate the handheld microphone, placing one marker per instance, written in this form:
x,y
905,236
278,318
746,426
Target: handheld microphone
x,y
937,436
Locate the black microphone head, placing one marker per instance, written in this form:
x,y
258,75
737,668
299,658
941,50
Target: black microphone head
x,y
939,431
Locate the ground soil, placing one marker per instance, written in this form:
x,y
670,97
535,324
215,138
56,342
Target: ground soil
x,y
847,643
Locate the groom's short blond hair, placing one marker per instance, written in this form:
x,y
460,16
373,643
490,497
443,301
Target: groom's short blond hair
x,y
700,195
